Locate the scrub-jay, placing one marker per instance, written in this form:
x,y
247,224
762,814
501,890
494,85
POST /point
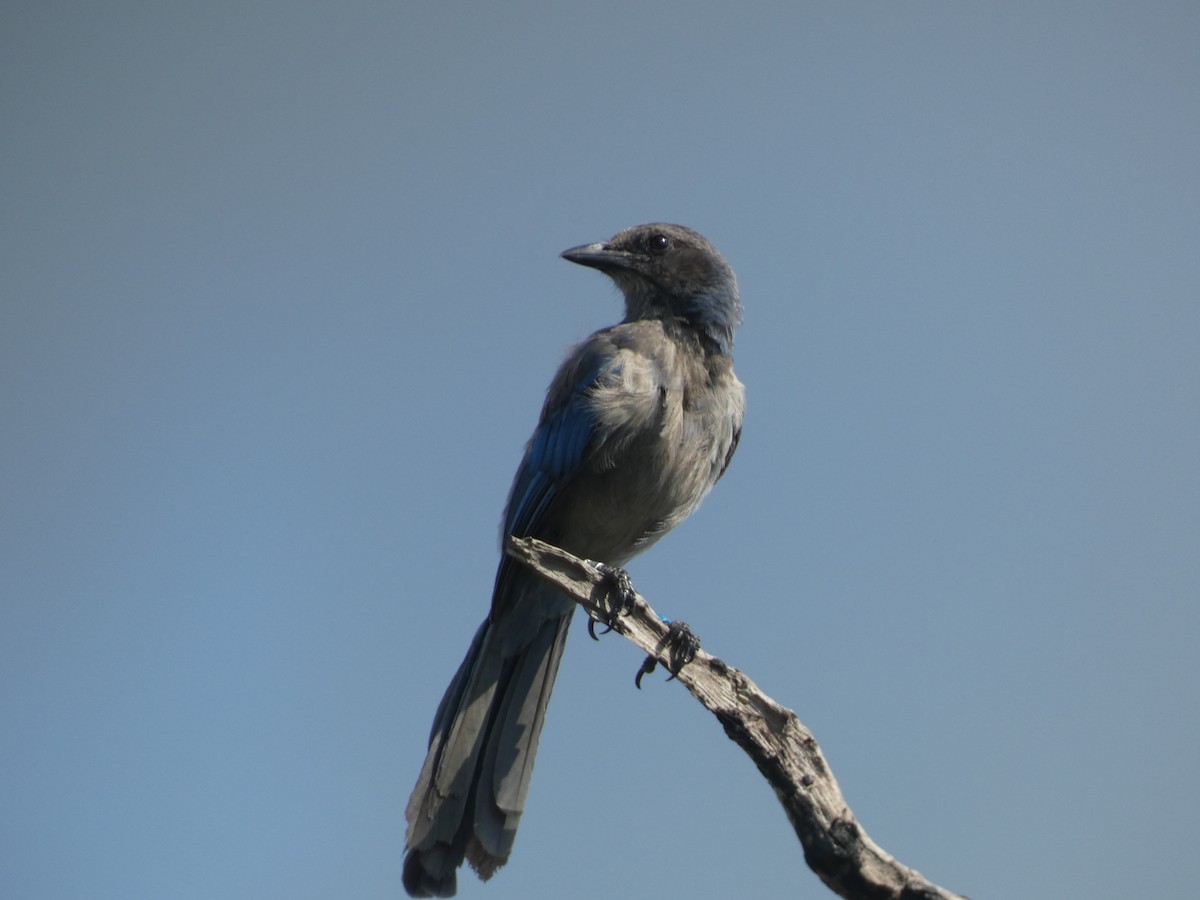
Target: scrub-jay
x,y
639,423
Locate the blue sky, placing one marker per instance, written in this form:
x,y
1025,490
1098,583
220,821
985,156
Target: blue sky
x,y
279,297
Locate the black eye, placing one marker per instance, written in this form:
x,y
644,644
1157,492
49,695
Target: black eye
x,y
657,243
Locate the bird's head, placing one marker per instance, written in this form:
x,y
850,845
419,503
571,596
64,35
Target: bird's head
x,y
668,271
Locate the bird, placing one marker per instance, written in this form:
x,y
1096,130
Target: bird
x,y
640,421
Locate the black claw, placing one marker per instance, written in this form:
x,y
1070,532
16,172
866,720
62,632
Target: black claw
x,y
648,666
684,644
592,628
620,585
617,599
680,644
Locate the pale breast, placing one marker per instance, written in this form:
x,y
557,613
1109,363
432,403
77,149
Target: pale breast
x,y
668,420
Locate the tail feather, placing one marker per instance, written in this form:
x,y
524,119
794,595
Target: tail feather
x,y
522,727
511,749
471,792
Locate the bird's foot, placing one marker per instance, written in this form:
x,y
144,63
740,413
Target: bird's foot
x,y
617,598
680,644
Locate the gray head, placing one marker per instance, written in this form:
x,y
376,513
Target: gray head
x,y
668,271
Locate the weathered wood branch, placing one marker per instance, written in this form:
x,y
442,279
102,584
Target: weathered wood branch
x,y
835,846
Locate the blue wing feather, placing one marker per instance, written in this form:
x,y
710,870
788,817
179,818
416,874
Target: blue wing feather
x,y
558,449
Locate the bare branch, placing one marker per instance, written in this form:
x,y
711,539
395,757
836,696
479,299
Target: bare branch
x,y
835,846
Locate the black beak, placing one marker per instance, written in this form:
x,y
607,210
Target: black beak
x,y
598,256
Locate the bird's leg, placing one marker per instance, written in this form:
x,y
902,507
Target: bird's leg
x,y
618,598
681,644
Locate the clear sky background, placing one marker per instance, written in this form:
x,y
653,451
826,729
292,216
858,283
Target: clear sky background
x,y
279,299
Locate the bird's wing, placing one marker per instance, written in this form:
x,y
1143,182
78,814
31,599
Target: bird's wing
x,y
604,394
568,433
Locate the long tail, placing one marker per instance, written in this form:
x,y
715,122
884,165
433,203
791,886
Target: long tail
x,y
471,793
